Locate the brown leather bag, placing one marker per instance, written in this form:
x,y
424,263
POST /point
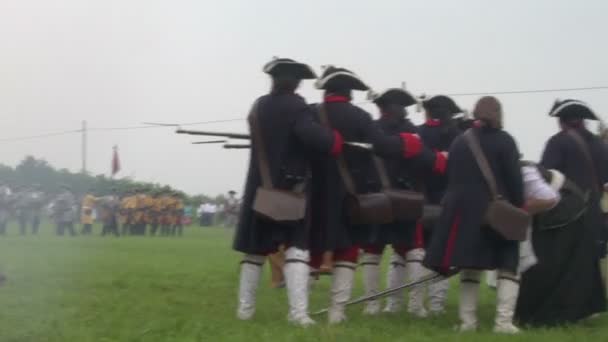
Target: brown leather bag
x,y
371,208
274,204
509,221
407,205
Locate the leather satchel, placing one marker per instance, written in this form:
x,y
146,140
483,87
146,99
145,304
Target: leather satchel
x,y
407,205
371,208
274,204
279,205
509,221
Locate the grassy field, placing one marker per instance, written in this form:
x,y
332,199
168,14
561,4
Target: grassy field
x,y
184,289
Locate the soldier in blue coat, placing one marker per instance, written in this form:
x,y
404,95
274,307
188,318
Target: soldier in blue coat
x,y
290,136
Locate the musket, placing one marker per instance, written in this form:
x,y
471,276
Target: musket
x,y
215,134
364,146
209,142
236,146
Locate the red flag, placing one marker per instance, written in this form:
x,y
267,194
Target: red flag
x,y
115,162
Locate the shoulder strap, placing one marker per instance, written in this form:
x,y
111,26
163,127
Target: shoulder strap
x,y
482,162
585,150
342,167
258,142
382,173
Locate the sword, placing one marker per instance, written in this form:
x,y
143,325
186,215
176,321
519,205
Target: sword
x,y
430,278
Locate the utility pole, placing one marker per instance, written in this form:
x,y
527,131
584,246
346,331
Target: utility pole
x,y
84,146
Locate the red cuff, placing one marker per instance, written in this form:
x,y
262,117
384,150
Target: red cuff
x,y
433,122
441,163
336,148
412,145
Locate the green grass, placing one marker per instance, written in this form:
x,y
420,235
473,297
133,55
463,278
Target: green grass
x,y
184,289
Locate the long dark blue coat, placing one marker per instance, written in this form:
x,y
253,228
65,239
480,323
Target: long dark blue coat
x,y
460,238
291,137
332,229
563,154
404,174
438,138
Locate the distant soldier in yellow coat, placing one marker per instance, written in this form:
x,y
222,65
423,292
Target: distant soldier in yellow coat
x,y
149,203
123,212
154,212
128,206
141,207
178,214
86,213
167,204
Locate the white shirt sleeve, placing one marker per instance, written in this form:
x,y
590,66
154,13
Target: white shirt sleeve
x,y
535,185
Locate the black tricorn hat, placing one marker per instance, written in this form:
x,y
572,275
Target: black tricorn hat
x,y
339,78
396,96
286,66
572,109
441,103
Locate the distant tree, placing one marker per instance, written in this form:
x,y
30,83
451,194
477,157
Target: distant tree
x,y
37,171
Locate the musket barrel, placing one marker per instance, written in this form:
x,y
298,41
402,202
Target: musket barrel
x,y
209,142
230,146
215,134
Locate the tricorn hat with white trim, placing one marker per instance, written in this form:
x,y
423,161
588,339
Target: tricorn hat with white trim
x,y
396,96
339,78
573,109
286,66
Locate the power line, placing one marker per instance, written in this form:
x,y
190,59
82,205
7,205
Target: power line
x,y
126,128
107,129
162,125
209,122
123,128
533,91
508,92
42,135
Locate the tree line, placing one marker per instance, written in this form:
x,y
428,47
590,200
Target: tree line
x,y
38,171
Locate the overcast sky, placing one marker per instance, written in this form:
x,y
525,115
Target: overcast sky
x,y
117,63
